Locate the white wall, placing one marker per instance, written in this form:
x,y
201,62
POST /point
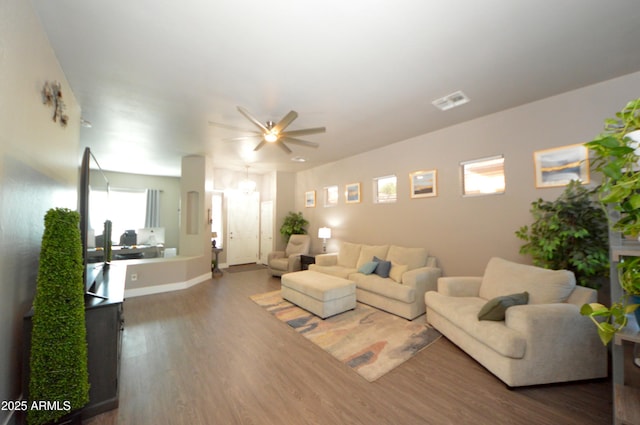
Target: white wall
x,y
462,232
39,163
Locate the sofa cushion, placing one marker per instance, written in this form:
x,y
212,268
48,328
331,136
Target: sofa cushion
x,y
496,308
384,287
414,258
463,313
367,252
397,270
337,271
349,254
368,268
383,267
544,286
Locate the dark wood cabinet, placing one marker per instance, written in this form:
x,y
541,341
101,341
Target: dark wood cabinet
x,y
306,260
104,320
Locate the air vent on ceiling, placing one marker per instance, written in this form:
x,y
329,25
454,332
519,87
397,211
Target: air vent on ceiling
x,y
451,101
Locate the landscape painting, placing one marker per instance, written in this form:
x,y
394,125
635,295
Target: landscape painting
x,y
423,184
558,166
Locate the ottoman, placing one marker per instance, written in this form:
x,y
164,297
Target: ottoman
x,y
321,294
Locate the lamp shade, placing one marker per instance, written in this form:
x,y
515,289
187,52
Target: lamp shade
x,y
214,235
324,233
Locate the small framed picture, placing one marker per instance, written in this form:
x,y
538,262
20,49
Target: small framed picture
x,y
330,196
352,193
423,184
310,199
558,166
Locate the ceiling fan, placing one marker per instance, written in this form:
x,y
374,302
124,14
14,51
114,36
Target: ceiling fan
x,y
275,133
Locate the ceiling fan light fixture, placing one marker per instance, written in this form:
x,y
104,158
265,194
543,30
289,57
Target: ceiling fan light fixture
x,y
271,137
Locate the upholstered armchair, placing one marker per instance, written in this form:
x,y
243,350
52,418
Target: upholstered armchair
x,y
287,261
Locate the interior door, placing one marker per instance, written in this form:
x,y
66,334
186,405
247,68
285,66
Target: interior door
x,y
243,211
266,230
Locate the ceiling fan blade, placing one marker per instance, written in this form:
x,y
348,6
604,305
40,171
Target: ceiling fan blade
x,y
243,138
283,146
304,132
229,127
261,144
252,119
299,142
284,122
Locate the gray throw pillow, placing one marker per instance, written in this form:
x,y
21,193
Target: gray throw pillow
x,y
496,308
383,268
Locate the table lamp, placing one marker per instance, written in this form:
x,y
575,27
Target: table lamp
x,y
214,235
324,233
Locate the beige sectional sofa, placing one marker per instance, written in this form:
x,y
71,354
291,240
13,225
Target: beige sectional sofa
x,y
413,272
543,341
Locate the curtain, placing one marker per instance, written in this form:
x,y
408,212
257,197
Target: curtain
x,y
152,216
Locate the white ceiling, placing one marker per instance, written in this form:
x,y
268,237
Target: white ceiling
x,y
150,74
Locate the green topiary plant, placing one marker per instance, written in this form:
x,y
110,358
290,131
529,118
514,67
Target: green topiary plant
x,y
58,362
294,224
569,233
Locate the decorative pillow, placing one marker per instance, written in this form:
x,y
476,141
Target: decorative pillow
x,y
383,267
496,308
397,270
368,268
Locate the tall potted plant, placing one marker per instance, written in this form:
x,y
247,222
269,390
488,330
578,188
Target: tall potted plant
x,y
293,224
616,158
569,233
58,359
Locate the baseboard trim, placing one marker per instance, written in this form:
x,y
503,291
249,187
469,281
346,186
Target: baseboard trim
x,y
169,287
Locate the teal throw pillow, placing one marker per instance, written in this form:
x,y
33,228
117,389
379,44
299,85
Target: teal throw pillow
x,y
368,268
383,268
496,308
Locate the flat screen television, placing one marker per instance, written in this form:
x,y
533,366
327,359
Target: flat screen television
x,y
96,237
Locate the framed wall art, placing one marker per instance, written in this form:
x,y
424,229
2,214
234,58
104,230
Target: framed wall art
x,y
352,193
423,184
558,166
310,199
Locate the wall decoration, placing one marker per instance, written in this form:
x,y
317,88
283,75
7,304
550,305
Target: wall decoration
x,y
330,196
558,166
310,199
52,96
423,184
352,193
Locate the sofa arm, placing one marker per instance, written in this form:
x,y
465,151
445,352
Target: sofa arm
x,y
555,331
274,254
294,263
460,286
327,259
423,279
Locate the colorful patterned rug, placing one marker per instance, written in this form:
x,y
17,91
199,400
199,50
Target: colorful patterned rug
x,y
370,341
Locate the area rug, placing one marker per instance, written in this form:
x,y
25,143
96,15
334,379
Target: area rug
x,y
369,341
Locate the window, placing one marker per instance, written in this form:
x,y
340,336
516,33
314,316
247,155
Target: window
x,y
483,176
385,189
125,208
330,196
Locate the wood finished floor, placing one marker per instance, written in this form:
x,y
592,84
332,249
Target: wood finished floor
x,y
209,355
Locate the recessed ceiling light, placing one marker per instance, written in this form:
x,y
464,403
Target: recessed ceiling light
x,y
298,159
85,123
451,101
